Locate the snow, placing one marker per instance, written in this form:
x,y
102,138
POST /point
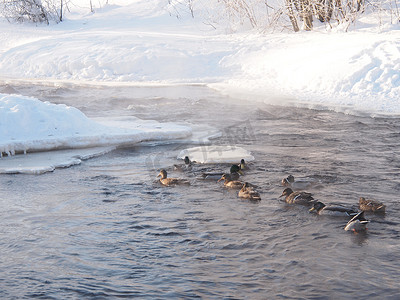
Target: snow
x,y
28,124
140,42
216,154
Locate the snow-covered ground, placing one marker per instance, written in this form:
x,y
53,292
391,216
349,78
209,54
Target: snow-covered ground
x,y
138,42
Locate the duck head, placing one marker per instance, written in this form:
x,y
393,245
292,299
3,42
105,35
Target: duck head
x,y
288,180
242,164
162,174
245,186
286,192
317,207
187,160
225,177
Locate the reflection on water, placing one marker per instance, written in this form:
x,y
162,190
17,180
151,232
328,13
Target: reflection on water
x,y
106,229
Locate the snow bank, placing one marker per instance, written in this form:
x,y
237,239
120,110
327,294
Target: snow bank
x,y
216,154
28,124
138,41
343,71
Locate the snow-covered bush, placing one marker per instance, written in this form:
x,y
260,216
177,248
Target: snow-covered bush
x,y
36,11
281,14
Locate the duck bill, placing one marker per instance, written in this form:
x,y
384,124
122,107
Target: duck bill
x,y
159,175
281,196
311,209
220,179
240,172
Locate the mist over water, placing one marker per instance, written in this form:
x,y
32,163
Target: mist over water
x,y
107,229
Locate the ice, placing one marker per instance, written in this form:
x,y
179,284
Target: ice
x,y
216,154
28,124
42,162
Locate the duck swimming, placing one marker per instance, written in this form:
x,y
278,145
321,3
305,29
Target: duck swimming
x,y
296,185
243,165
332,210
235,173
186,167
170,181
357,224
228,182
371,206
302,198
248,193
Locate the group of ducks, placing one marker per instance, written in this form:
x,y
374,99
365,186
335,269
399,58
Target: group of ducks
x,y
231,179
357,222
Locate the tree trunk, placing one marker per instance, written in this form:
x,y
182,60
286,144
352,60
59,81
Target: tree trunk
x,y
292,17
306,12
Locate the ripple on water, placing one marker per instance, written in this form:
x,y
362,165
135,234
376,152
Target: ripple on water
x,y
106,229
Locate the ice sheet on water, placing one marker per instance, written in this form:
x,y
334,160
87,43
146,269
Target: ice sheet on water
x,y
216,154
42,162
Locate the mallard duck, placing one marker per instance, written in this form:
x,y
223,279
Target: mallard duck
x,y
302,198
247,192
371,205
288,180
170,181
228,182
357,223
185,167
243,165
297,185
234,173
332,210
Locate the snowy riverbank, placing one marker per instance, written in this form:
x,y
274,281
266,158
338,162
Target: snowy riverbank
x,y
140,43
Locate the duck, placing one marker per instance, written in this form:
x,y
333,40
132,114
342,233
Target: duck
x,y
243,165
186,167
357,224
235,173
371,205
247,192
296,185
170,181
332,210
228,182
303,198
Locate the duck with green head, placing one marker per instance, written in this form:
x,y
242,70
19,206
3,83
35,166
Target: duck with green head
x,y
332,210
243,166
164,180
297,185
187,166
234,172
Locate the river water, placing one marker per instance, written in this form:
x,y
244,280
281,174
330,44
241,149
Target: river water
x,y
104,229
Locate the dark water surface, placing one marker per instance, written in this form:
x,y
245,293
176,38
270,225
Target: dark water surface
x,y
104,229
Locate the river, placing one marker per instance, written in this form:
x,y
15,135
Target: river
x,y
105,229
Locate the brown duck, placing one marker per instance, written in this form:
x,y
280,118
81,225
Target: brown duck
x,y
302,198
371,205
228,182
170,181
247,192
